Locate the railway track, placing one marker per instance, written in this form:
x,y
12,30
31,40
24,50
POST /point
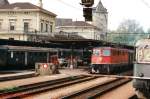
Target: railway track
x,y
25,90
97,90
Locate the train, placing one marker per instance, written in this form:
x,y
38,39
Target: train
x,y
25,57
141,81
108,60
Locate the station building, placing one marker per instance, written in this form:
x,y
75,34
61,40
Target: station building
x,y
25,21
80,28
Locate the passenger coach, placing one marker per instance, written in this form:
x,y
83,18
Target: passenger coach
x,y
23,57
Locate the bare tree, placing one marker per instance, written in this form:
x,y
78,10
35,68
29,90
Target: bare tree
x,y
127,32
130,26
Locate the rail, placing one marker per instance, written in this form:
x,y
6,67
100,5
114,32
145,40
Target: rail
x,y
97,90
22,91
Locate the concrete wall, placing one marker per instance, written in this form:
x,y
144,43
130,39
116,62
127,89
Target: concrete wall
x,y
19,18
46,19
100,20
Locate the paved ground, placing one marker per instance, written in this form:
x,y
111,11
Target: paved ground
x,y
73,71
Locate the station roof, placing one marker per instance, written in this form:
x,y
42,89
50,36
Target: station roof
x,y
89,43
29,43
77,44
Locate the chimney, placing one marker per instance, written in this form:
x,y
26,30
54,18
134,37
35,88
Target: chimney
x,y
40,4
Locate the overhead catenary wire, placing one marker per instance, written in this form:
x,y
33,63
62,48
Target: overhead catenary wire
x,y
145,3
69,5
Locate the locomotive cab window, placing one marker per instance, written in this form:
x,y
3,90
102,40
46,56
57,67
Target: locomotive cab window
x,y
143,54
96,52
106,52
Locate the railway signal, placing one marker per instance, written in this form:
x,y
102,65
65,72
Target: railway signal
x,y
87,10
87,13
87,3
45,65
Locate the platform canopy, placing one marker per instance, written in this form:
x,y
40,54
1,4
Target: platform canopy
x,y
77,44
89,43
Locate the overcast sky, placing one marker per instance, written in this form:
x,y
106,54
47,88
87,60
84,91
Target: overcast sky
x,y
118,10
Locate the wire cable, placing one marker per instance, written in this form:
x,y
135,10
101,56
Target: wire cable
x,y
145,3
69,5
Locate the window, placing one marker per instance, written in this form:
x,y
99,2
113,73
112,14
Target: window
x,y
0,25
26,27
46,30
51,28
11,12
118,52
106,52
26,12
96,52
143,55
12,26
41,27
114,52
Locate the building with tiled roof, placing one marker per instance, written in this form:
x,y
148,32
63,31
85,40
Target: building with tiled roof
x,y
21,20
80,28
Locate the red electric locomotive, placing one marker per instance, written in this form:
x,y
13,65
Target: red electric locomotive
x,y
109,60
